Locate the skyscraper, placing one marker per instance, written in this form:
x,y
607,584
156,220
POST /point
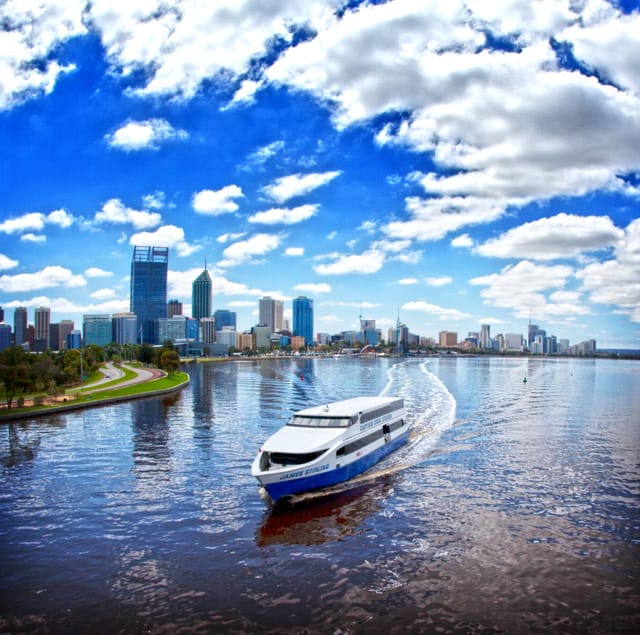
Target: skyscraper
x,y
20,319
303,319
270,313
485,335
174,307
42,319
149,268
223,318
201,296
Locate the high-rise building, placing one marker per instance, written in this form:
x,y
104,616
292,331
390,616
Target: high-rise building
x,y
207,330
42,320
66,326
448,338
270,313
485,335
20,320
97,329
303,319
174,307
201,296
54,336
149,267
74,340
1,314
5,336
223,318
124,328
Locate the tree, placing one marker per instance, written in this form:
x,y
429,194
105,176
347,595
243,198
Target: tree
x,y
145,353
15,371
169,360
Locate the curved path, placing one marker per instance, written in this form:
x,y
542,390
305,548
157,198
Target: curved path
x,y
110,373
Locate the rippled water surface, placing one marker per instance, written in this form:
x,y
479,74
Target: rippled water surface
x,y
515,507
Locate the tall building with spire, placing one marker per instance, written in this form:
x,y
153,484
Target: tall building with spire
x,y
202,295
148,298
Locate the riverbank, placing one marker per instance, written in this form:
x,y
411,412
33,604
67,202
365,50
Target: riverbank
x,y
113,388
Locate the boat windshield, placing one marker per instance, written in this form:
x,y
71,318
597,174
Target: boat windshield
x,y
320,422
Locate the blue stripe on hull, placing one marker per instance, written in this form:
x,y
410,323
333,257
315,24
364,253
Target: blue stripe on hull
x,y
326,479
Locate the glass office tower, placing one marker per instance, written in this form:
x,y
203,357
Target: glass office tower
x,y
303,319
201,297
149,268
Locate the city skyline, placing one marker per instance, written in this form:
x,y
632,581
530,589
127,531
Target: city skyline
x,y
449,166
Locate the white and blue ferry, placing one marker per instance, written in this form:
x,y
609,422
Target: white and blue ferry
x,y
325,445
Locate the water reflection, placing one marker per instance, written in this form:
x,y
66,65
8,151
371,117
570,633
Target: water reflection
x,y
318,518
21,448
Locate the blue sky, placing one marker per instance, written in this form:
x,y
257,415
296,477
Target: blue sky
x,y
456,165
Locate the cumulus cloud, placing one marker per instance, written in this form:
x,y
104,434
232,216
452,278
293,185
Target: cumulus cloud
x,y
288,187
7,263
294,251
561,236
408,281
439,281
103,294
449,315
36,222
50,276
33,238
247,250
368,262
144,135
96,272
313,288
114,211
284,216
523,287
617,281
165,236
217,202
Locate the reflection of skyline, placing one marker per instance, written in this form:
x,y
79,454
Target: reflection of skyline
x,y
323,517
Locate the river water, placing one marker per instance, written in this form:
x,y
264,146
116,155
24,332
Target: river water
x,y
515,507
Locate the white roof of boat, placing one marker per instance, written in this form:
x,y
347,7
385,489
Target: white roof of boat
x,y
347,407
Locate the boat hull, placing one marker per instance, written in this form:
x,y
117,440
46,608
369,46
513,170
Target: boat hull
x,y
280,488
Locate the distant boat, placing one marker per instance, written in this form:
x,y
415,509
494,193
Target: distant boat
x,y
324,445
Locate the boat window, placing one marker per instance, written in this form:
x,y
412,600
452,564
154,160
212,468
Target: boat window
x,y
320,422
378,412
288,458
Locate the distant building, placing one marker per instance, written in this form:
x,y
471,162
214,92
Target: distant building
x,y
96,329
5,336
245,341
485,335
228,337
513,342
74,340
20,321
174,307
223,318
448,338
42,319
124,328
207,332
297,342
303,319
261,337
202,296
172,329
148,296
270,313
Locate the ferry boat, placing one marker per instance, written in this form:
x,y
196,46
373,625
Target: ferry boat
x,y
324,445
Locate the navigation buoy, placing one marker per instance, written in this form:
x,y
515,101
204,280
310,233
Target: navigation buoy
x,y
524,380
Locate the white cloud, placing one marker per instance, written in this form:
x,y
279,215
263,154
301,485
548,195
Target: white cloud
x,y
50,276
523,287
260,156
288,187
464,240
144,135
284,216
225,238
617,281
34,31
65,307
96,272
439,281
165,236
60,217
246,250
313,288
33,238
33,221
7,263
561,236
449,315
115,212
217,202
294,251
408,281
103,294
154,200
368,262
